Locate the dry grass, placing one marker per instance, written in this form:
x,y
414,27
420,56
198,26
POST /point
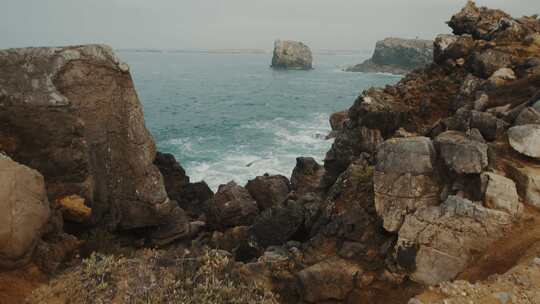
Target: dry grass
x,y
152,276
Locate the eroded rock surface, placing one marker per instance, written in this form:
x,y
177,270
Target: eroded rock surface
x,y
92,139
25,212
291,55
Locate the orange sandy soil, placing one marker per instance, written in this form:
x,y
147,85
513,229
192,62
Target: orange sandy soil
x,y
16,285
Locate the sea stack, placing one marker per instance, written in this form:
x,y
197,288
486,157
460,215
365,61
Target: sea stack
x,y
397,56
291,55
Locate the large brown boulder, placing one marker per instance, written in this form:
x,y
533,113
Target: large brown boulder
x,y
306,176
269,190
231,206
73,114
25,211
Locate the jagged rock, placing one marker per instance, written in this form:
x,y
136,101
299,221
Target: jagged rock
x,y
398,56
490,126
525,139
436,243
269,190
452,47
528,116
481,23
278,224
291,55
461,153
306,176
92,139
74,209
404,179
231,206
331,279
500,193
337,121
189,196
25,212
527,178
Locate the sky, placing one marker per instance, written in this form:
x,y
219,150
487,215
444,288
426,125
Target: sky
x,y
230,24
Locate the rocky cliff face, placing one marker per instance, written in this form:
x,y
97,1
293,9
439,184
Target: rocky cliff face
x,y
73,114
292,55
397,56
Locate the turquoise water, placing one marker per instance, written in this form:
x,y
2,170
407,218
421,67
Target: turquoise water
x,y
231,117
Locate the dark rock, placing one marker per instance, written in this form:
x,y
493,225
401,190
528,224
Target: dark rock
x,y
306,176
231,206
277,225
490,126
269,190
189,196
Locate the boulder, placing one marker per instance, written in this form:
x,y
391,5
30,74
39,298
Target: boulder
x,y
269,190
73,114
231,206
436,243
461,153
176,226
405,179
25,212
331,279
398,56
306,176
452,47
291,55
525,139
279,224
527,178
500,193
528,116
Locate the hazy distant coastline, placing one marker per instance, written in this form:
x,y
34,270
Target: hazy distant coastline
x,y
238,51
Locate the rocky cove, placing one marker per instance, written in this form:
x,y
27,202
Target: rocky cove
x,y
430,192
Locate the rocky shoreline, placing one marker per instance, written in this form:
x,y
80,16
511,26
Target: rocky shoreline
x,y
429,194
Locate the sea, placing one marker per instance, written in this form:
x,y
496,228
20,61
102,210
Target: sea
x,y
229,116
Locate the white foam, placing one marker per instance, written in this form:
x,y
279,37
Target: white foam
x,y
291,139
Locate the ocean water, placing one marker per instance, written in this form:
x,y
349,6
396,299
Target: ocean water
x,y
231,117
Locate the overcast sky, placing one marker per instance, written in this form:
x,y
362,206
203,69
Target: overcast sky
x,y
219,24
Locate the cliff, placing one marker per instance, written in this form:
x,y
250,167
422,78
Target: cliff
x,y
397,56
